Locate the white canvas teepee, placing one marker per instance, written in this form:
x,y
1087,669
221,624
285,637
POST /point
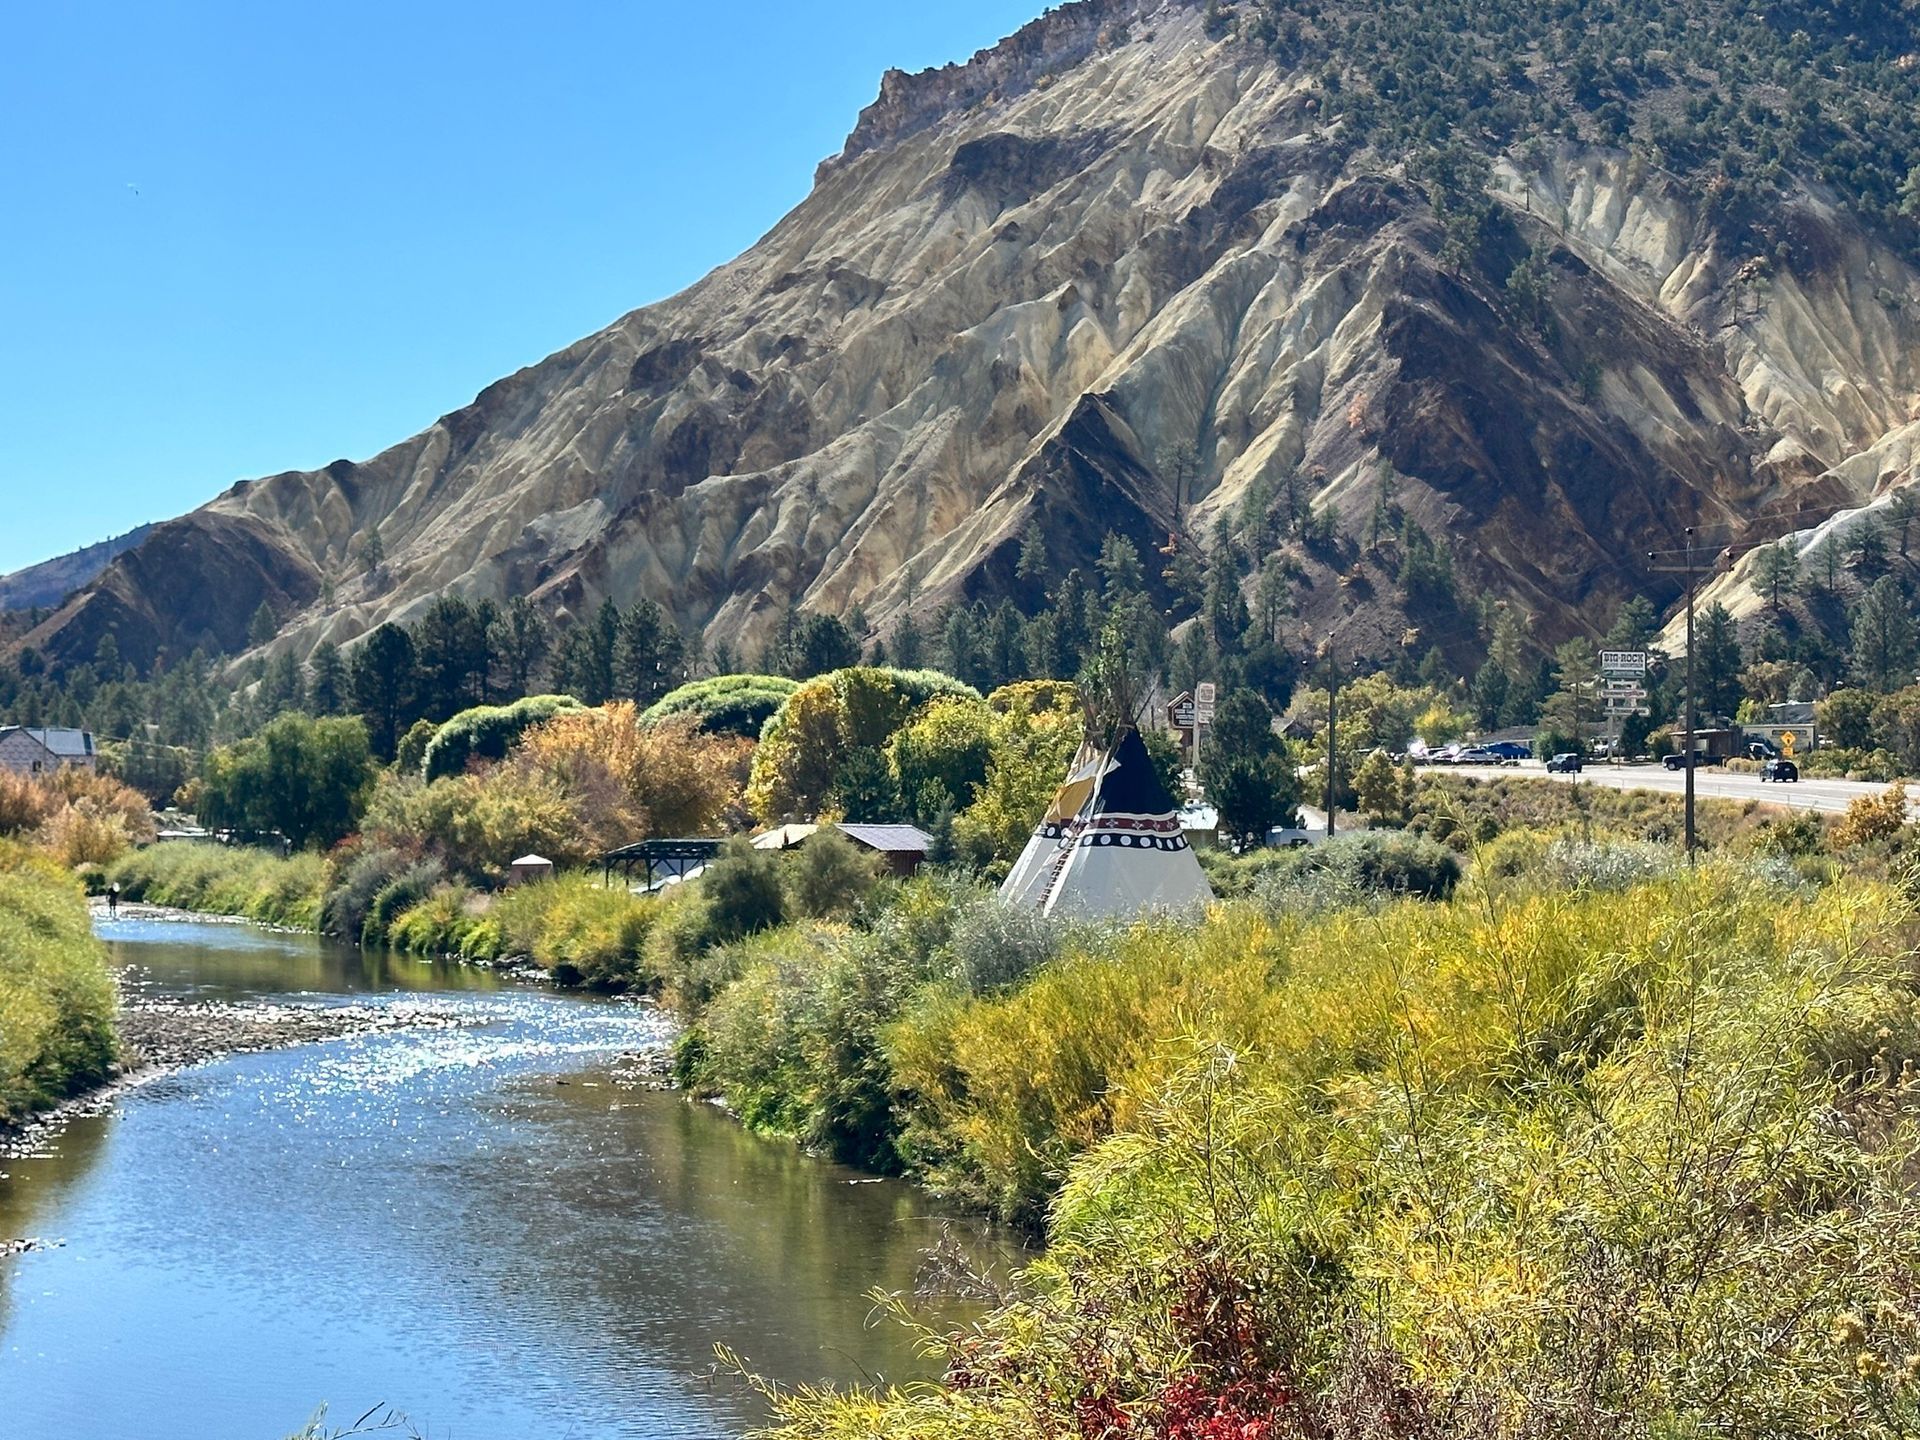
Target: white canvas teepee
x,y
1026,883
1126,852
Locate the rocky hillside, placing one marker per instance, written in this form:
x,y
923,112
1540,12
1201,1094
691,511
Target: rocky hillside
x,y
1150,266
52,581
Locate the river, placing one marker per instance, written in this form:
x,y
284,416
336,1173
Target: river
x,y
471,1224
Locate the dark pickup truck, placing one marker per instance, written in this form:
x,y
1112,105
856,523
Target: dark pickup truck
x,y
1680,762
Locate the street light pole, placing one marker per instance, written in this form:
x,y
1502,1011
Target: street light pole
x,y
1333,686
1688,758
1692,759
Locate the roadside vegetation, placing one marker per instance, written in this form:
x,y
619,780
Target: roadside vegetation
x,y
1536,1161
56,997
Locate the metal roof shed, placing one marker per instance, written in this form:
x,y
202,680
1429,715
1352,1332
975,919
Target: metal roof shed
x,y
905,846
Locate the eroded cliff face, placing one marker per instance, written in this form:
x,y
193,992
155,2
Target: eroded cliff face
x,y
1029,281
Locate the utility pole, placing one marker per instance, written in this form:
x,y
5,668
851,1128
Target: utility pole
x,y
1333,686
1692,761
1688,758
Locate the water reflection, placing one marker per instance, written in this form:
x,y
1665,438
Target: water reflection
x,y
430,1219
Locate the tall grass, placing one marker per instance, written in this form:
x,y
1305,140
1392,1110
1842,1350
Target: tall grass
x,y
579,932
1635,1162
56,997
220,880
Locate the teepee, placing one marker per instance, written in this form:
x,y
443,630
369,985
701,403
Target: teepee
x,y
1026,883
1125,851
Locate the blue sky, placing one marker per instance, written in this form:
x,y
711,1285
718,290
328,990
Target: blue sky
x,y
237,238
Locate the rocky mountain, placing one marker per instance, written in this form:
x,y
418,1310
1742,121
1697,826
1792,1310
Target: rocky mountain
x,y
1155,267
52,581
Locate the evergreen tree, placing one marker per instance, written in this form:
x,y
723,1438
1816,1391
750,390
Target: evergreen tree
x,y
1273,597
1634,627
821,644
1121,572
1867,549
961,646
1826,559
521,641
1716,669
1884,639
285,685
1005,654
908,651
1227,617
1901,509
1245,770
263,627
453,655
328,689
649,654
1031,568
383,686
1776,572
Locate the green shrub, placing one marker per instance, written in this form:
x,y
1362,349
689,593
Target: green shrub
x,y
56,995
579,932
1834,762
829,876
725,704
742,891
487,732
1371,863
996,946
400,893
446,923
350,900
221,880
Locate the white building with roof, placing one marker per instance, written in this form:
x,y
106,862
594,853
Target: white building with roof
x,y
41,750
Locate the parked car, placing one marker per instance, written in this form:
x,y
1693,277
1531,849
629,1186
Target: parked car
x,y
1477,755
1510,750
1567,762
1779,769
1680,762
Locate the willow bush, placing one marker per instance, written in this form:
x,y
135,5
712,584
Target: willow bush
x,y
1529,1164
56,996
223,880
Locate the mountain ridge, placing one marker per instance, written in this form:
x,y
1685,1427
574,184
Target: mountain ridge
x,y
1029,285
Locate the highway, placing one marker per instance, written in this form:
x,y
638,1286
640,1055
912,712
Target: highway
x,y
1709,784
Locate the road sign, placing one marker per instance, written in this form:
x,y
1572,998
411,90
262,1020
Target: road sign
x,y
1203,696
1181,712
1623,662
1787,741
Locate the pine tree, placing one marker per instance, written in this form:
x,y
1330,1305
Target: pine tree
x,y
908,650
328,688
1776,572
383,686
1884,638
1717,667
648,654
1901,509
263,627
521,641
1633,628
1867,549
1031,568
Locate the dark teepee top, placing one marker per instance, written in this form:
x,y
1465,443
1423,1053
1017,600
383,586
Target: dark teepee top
x,y
1132,786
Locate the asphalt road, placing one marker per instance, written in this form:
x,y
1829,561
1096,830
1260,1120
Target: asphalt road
x,y
1832,795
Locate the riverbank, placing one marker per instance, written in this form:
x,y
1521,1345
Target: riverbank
x,y
569,929
159,1037
56,993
